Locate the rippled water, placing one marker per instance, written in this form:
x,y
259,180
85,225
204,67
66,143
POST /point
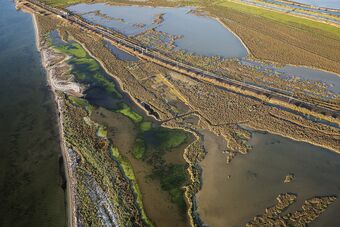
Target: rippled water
x,y
200,34
30,182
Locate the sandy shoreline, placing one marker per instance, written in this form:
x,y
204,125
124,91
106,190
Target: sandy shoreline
x,y
71,202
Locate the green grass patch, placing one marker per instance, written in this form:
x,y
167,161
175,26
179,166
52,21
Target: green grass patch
x,y
61,3
128,112
128,172
108,85
284,18
139,149
82,103
145,126
101,132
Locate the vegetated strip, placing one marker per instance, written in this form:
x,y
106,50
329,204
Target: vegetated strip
x,y
284,18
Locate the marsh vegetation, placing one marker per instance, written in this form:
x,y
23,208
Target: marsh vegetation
x,y
149,140
150,157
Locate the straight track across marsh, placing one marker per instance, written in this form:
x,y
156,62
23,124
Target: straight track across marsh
x,y
272,96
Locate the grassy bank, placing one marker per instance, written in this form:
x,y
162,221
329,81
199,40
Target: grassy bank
x,y
283,18
81,103
128,171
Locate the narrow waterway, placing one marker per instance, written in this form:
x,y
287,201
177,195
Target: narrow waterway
x,y
30,181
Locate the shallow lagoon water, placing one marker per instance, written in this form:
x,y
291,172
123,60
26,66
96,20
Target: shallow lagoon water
x,y
256,179
201,34
121,55
332,80
305,73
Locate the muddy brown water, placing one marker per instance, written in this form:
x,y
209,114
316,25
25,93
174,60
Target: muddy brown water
x,y
156,201
256,179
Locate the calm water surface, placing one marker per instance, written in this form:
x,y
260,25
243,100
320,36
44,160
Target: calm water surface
x,y
30,183
256,179
331,80
118,53
201,35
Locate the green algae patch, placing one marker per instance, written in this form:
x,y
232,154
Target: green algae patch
x,y
86,69
128,171
172,178
128,112
73,49
145,126
166,139
139,149
81,103
101,132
